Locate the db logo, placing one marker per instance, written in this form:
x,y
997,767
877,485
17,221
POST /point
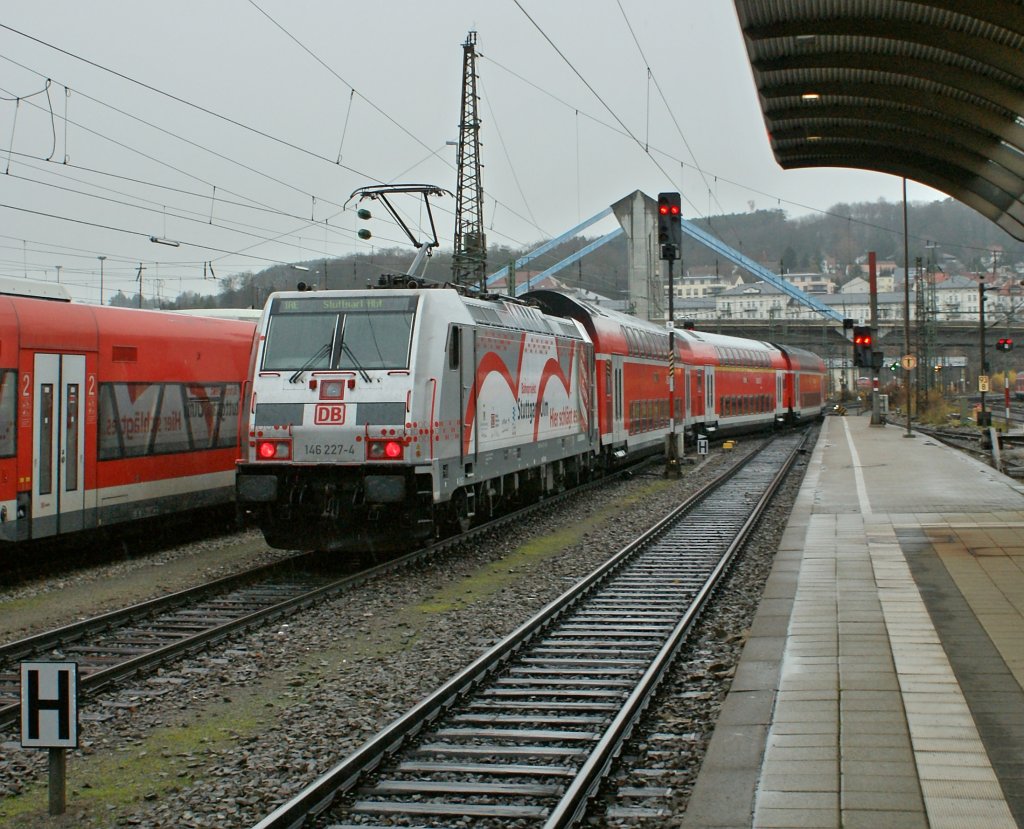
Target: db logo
x,y
334,413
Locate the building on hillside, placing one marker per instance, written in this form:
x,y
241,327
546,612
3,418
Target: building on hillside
x,y
812,283
756,300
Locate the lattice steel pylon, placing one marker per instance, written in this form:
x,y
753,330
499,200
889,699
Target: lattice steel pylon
x,y
470,252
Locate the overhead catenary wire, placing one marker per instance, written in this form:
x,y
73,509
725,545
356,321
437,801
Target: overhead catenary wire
x,y
649,150
176,136
352,89
184,102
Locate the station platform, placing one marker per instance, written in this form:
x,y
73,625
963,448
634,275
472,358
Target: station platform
x,y
882,685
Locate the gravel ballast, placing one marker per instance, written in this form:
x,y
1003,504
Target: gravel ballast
x,y
220,740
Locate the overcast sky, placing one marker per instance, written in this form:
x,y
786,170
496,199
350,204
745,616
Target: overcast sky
x,y
239,128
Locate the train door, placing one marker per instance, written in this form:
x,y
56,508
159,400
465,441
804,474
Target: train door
x,y
709,394
780,399
684,420
58,444
465,340
618,415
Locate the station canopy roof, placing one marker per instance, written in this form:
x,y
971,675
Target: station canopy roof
x,y
933,91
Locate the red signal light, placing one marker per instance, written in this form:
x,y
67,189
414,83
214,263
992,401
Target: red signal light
x,y
663,209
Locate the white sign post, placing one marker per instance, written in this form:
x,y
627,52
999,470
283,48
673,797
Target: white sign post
x,y
49,718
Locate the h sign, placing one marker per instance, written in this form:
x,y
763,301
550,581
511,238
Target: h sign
x,y
49,705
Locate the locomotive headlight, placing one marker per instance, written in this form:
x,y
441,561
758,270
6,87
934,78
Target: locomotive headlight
x,y
273,450
332,389
384,450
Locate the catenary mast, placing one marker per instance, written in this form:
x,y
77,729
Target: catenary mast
x,y
470,251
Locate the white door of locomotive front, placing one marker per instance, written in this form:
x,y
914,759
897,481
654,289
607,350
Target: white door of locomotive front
x,y
467,388
58,444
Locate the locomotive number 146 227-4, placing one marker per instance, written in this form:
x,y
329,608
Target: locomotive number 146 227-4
x,y
328,449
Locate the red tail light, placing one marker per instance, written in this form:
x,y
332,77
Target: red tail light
x,y
274,450
385,450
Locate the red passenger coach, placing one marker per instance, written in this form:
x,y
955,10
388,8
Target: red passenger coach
x,y
803,384
111,414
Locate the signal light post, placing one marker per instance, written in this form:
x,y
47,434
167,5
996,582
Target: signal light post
x,y
984,417
670,240
862,346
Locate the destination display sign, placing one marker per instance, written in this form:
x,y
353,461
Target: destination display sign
x,y
339,304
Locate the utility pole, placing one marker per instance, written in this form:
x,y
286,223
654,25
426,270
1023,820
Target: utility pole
x,y
138,277
470,250
101,258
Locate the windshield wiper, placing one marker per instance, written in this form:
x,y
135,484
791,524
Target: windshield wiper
x,y
355,362
322,352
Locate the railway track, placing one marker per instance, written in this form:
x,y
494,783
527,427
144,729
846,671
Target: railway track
x,y
526,733
124,643
136,640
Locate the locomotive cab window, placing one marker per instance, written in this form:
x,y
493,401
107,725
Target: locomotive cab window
x,y
339,334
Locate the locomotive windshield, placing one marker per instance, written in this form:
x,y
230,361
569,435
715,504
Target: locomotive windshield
x,y
339,333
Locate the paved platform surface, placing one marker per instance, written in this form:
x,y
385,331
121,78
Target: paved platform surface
x,y
883,682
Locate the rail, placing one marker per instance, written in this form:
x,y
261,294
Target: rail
x,y
575,677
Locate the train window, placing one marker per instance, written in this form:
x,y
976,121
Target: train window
x,y
360,340
227,420
299,341
138,419
172,434
71,431
46,439
376,341
8,413
127,417
211,413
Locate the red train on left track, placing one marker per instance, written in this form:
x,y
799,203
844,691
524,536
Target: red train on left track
x,y
109,415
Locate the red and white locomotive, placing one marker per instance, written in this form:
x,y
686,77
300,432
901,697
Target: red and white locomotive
x,y
110,414
383,416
